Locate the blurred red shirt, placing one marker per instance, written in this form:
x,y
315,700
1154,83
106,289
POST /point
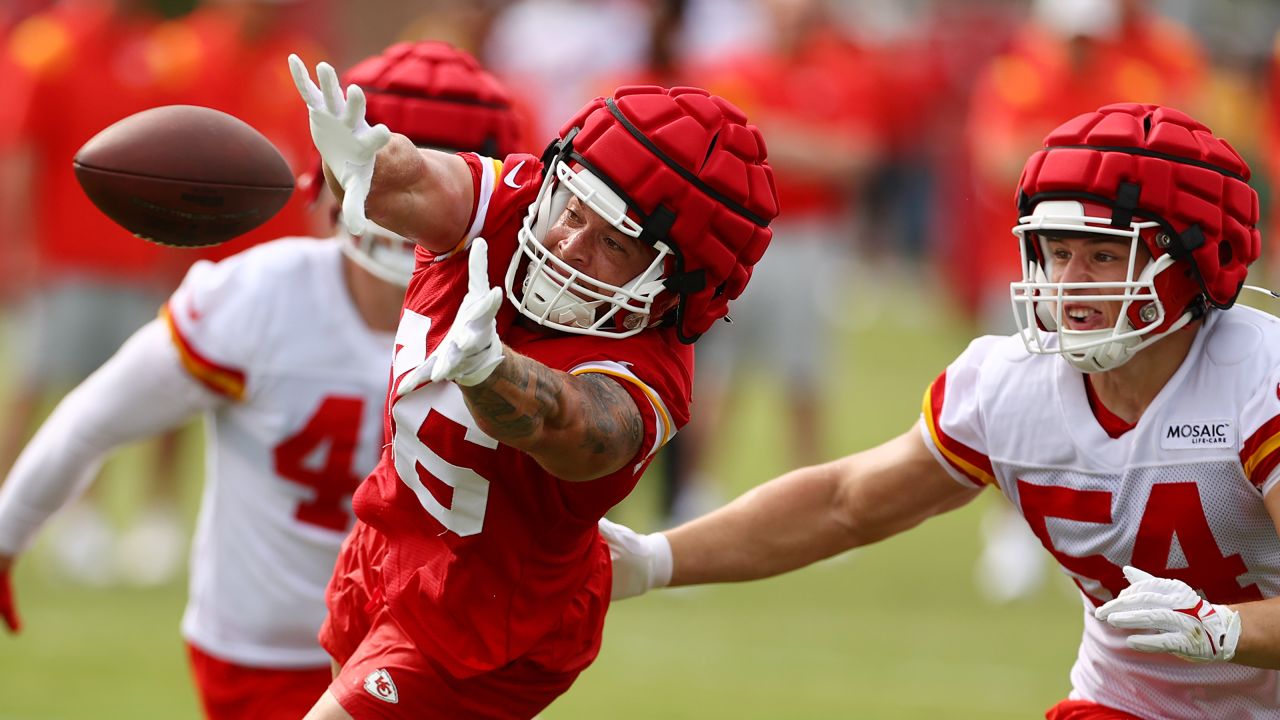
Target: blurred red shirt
x,y
1028,91
86,69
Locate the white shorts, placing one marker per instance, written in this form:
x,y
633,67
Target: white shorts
x,y
780,325
68,329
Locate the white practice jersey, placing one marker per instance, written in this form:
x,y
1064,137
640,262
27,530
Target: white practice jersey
x,y
274,330
1179,495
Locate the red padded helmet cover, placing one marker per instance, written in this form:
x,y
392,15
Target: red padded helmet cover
x,y
439,96
709,170
1186,178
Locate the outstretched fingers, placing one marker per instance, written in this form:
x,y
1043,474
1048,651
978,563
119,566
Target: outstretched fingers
x,y
330,89
353,112
375,137
302,80
478,267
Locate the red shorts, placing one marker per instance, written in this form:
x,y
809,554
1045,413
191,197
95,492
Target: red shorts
x,y
354,593
387,677
383,673
1086,710
230,692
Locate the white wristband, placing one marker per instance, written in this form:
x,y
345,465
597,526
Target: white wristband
x,y
661,561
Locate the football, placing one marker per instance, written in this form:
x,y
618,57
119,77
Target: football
x,y
184,175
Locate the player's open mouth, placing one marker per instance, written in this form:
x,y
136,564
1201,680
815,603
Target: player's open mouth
x,y
1082,317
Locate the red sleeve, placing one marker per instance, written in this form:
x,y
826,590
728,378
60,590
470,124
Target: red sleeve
x,y
963,461
653,366
1260,453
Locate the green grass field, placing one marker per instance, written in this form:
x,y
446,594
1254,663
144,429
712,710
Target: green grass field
x,y
897,630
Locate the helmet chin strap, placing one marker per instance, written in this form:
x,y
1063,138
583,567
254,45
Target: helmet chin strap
x,y
1109,356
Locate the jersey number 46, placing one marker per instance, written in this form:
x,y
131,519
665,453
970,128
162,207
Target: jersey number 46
x,y
440,452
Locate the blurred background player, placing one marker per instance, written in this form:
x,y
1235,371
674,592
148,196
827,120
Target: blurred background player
x,y
1071,57
821,152
87,64
80,299
475,582
286,349
559,76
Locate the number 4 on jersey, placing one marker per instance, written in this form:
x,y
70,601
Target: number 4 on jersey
x,y
334,431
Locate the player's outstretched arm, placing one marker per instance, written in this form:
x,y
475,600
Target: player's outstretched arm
x,y
380,177
816,512
793,520
141,391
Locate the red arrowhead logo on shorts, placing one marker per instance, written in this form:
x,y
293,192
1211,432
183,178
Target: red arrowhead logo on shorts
x,y
378,684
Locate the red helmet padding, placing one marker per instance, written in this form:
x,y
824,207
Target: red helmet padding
x,y
1179,194
437,95
708,137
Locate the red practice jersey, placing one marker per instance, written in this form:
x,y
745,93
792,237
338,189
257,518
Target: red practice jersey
x,y
491,558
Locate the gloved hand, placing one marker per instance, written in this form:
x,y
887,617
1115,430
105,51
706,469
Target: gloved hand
x,y
1189,626
640,562
347,145
8,609
471,349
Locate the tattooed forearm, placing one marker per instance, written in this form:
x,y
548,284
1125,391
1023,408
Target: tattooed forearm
x,y
515,401
577,427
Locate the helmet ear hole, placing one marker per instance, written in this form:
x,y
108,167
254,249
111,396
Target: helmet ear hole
x,y
1225,254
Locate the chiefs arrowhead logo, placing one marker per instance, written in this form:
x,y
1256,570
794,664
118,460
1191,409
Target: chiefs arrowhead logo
x,y
378,684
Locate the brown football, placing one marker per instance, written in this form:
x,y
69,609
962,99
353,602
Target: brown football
x,y
184,175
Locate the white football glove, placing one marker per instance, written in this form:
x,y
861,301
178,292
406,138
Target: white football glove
x,y
640,562
347,145
471,349
1188,626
